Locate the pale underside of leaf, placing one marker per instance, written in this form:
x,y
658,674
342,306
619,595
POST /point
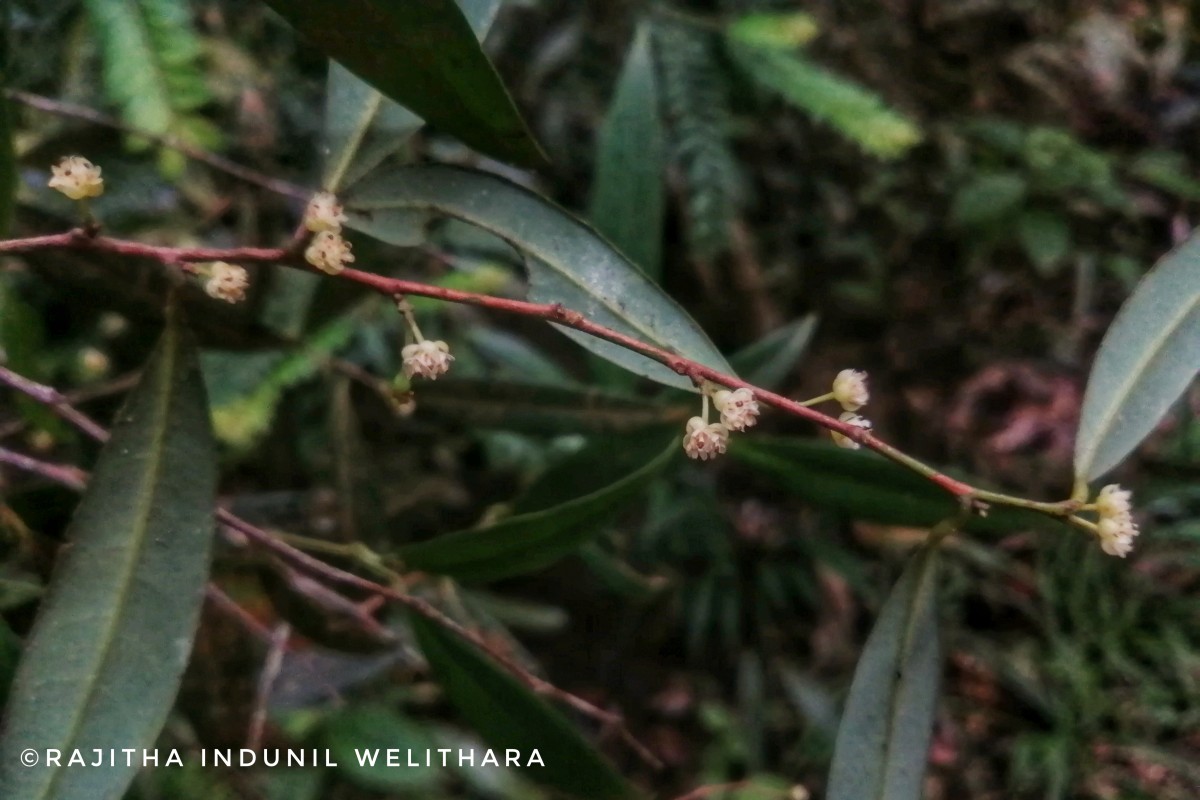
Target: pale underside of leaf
x,y
569,263
883,739
1145,362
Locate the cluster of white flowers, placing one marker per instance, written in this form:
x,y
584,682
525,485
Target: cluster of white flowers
x,y
705,440
850,389
1115,527
226,282
739,411
324,213
329,252
77,178
426,359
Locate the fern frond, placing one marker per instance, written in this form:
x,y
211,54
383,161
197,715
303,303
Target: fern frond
x,y
695,96
856,113
151,66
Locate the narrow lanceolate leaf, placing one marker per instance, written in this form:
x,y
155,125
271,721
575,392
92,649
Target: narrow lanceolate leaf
x,y
768,361
508,715
628,191
1145,362
884,735
106,654
362,127
425,57
569,263
558,514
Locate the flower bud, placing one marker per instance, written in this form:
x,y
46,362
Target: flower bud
x,y
854,419
226,282
324,213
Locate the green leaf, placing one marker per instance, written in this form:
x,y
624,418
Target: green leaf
x,y
508,715
1046,237
556,515
151,66
569,263
784,30
362,127
111,640
988,198
628,195
425,57
1145,362
354,732
863,485
246,388
768,361
855,112
883,739
1167,170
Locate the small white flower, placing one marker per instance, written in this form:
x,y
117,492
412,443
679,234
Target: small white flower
x,y
324,213
1116,527
77,178
226,282
329,252
1116,536
854,419
1113,501
704,440
426,359
739,409
850,389
93,363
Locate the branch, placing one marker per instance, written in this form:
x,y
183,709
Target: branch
x,y
77,479
83,240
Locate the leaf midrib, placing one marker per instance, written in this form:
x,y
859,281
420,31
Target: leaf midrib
x,y
521,247
350,150
144,509
1132,379
920,592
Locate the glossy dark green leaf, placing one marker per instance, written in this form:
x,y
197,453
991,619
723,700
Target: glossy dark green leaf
x,y
768,361
569,263
883,738
1145,362
425,57
554,517
508,715
108,649
863,485
362,127
628,192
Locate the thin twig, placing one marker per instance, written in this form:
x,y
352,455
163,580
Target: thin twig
x,y
272,665
64,109
315,567
82,239
69,476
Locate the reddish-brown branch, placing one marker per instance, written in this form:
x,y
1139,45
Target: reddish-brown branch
x,y
77,479
81,239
